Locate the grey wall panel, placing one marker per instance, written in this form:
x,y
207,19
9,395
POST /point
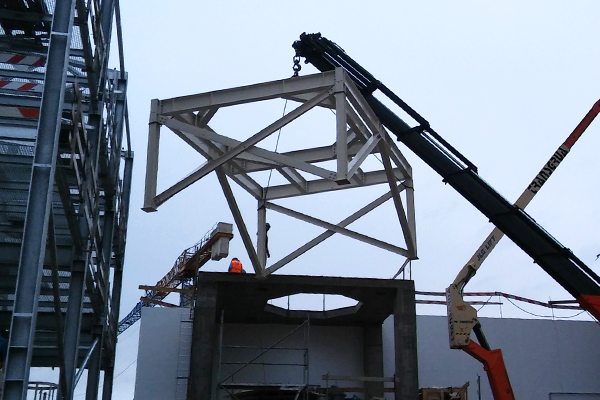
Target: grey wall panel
x,y
158,353
541,356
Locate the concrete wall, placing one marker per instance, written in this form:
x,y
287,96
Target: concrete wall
x,y
333,350
546,360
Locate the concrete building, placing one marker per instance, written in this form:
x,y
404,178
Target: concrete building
x,y
279,350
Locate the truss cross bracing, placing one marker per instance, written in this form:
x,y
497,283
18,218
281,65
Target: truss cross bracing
x,y
357,135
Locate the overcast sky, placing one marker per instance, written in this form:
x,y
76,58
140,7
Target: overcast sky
x,y
503,82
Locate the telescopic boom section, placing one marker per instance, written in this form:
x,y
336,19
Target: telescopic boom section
x,y
558,261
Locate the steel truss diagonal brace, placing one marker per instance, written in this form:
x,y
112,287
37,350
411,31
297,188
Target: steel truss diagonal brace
x,y
239,221
209,150
338,229
213,164
187,132
404,223
325,235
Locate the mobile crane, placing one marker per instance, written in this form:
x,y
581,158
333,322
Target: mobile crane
x,y
558,261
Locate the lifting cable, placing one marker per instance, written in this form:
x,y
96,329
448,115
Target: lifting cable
x,y
276,146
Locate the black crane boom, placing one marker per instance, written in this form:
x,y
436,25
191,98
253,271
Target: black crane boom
x,y
557,260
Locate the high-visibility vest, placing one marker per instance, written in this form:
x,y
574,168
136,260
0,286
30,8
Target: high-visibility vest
x,y
235,266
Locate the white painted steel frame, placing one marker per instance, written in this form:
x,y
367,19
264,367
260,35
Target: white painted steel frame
x,y
358,134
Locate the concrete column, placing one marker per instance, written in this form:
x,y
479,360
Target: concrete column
x,y
200,385
405,339
373,360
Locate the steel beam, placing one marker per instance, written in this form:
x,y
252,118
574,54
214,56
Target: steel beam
x,y
326,185
262,91
239,222
152,158
20,346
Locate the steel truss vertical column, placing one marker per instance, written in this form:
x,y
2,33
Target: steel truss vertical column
x,y
22,332
73,322
261,244
118,276
57,305
107,11
341,146
116,134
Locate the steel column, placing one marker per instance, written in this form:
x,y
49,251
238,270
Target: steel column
x,y
73,322
118,276
20,347
107,236
261,244
57,306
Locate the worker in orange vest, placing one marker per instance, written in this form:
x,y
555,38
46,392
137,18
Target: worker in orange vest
x,y
235,266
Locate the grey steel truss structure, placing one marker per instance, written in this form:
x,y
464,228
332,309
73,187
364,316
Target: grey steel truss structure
x,y
64,191
358,135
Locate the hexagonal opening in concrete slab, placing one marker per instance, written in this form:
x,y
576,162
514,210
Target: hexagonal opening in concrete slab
x,y
313,302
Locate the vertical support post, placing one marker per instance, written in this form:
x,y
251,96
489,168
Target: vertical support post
x,y
341,145
107,11
73,322
33,246
93,376
116,132
152,157
57,305
373,360
204,334
406,385
261,245
410,212
118,276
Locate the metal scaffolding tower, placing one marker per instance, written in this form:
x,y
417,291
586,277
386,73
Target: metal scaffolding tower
x,y
64,191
